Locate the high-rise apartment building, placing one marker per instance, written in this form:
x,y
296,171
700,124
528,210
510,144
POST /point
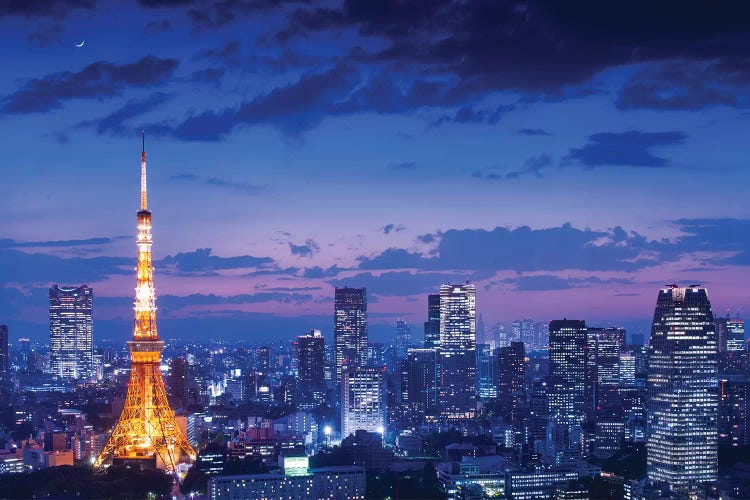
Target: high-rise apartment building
x,y
363,399
349,328
70,331
457,398
403,338
311,368
683,396
4,354
432,325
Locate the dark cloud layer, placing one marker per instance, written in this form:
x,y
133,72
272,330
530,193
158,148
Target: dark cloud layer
x,y
632,148
688,86
115,122
532,46
309,249
565,248
241,187
522,249
27,268
201,261
293,108
8,243
548,282
398,283
45,8
97,80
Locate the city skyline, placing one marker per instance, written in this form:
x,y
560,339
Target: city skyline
x,y
265,128
397,249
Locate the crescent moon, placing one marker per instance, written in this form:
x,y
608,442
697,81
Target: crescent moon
x,y
80,44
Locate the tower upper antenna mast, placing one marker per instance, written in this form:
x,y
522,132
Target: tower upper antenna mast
x,y
144,197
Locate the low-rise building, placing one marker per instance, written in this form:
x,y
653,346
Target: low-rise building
x,y
298,482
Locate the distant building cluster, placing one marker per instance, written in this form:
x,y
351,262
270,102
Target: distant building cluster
x,y
531,411
525,410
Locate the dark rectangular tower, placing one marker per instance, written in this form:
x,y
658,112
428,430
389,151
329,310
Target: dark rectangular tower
x,y
4,364
311,368
432,325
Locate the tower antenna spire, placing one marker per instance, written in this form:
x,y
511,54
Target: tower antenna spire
x,y
144,196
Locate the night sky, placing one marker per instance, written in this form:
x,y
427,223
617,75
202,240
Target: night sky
x,y
570,158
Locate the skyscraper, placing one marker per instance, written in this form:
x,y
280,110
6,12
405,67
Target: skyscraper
x,y
683,397
567,384
403,338
146,433
458,367
511,368
311,368
604,408
735,335
177,382
349,327
604,346
418,381
486,372
70,330
4,350
362,400
432,325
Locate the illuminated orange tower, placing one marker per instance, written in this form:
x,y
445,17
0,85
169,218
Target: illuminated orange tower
x,y
146,430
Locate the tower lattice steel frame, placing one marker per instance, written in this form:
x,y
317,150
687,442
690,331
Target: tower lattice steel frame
x,y
146,429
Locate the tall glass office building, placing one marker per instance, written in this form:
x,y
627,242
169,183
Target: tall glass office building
x,y
682,439
70,328
349,328
458,342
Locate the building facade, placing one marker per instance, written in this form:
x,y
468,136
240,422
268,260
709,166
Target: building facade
x,y
567,384
432,325
336,483
70,331
511,368
683,397
403,338
4,353
419,381
349,328
458,368
310,354
363,402
486,372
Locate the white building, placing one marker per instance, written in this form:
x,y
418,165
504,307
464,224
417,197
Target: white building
x,y
363,401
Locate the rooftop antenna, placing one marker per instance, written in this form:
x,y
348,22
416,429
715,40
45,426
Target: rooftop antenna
x,y
144,197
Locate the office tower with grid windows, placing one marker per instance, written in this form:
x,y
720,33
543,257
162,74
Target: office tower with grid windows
x,y
349,328
458,365
363,404
70,331
683,395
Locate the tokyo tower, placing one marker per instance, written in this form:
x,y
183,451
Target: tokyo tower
x,y
146,432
